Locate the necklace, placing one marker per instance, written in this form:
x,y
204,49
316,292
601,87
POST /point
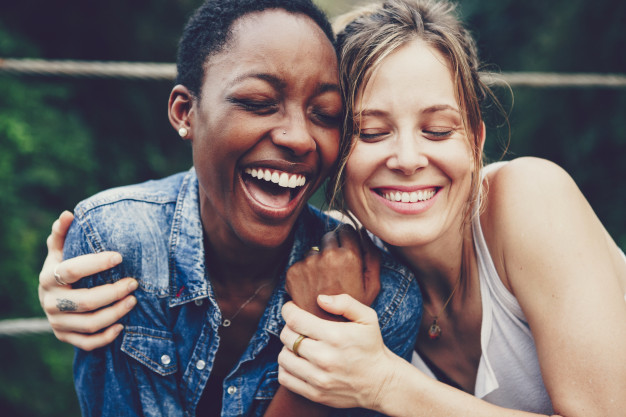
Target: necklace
x,y
228,322
434,331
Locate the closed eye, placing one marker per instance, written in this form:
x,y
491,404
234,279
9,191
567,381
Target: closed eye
x,y
261,107
328,120
372,135
438,134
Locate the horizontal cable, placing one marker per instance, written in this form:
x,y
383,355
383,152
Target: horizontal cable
x,y
91,69
548,79
163,71
21,327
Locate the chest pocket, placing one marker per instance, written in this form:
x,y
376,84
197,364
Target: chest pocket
x,y
152,348
153,361
264,393
268,387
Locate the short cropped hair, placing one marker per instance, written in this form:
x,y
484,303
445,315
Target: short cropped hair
x,y
209,29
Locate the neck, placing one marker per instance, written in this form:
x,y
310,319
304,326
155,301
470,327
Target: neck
x,y
243,266
438,265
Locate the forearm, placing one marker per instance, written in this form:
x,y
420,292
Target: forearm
x,y
286,403
408,392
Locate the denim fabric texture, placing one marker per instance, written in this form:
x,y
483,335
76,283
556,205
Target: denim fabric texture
x,y
161,362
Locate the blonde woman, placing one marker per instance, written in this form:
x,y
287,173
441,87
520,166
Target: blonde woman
x,y
523,288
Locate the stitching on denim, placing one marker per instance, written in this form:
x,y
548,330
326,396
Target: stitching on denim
x,y
175,232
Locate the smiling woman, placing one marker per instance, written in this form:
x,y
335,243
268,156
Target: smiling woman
x,y
515,268
270,103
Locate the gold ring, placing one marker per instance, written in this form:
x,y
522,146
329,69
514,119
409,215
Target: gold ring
x,y
57,277
315,248
296,344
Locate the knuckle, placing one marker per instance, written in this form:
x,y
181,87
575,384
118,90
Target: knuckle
x,y
281,356
282,378
49,241
325,362
283,336
372,315
70,271
84,305
48,304
86,346
321,381
54,323
89,328
316,396
60,336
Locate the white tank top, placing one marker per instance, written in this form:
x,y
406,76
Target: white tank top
x,y
508,372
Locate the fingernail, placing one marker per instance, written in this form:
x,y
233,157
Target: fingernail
x,y
118,328
133,285
116,258
326,299
130,303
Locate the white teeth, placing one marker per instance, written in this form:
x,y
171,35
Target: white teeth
x,y
412,197
283,179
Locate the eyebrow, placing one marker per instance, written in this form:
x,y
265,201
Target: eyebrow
x,y
430,109
269,78
439,107
327,87
280,84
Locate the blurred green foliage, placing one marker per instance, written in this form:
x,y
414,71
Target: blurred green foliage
x,y
63,139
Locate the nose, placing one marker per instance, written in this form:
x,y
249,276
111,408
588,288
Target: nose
x,y
294,135
407,156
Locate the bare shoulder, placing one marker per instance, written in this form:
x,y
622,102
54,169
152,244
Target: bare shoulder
x,y
527,190
529,177
531,207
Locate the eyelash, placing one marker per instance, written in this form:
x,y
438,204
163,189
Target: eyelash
x,y
371,137
255,106
438,135
430,134
327,119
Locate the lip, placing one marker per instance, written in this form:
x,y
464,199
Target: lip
x,y
279,166
403,207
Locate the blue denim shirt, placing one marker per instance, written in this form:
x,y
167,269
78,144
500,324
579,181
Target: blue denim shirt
x,y
161,362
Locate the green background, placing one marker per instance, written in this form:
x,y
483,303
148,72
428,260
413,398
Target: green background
x,y
63,139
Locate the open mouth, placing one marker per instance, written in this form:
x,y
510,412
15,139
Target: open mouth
x,y
273,188
408,197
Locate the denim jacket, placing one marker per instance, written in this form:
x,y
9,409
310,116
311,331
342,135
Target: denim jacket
x,y
161,362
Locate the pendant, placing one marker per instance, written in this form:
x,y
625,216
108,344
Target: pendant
x,y
226,323
434,331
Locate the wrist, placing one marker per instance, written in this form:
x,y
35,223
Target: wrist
x,y
393,388
391,375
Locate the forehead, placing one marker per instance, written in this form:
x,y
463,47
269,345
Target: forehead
x,y
276,38
416,72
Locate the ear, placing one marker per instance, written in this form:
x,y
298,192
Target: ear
x,y
180,109
482,136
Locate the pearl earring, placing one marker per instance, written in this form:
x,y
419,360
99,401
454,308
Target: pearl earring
x,y
183,132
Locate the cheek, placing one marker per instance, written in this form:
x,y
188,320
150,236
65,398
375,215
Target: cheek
x,y
328,144
359,169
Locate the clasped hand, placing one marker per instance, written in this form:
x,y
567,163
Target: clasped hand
x,y
338,364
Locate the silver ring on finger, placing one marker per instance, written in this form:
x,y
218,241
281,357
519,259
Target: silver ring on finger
x,y
57,277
